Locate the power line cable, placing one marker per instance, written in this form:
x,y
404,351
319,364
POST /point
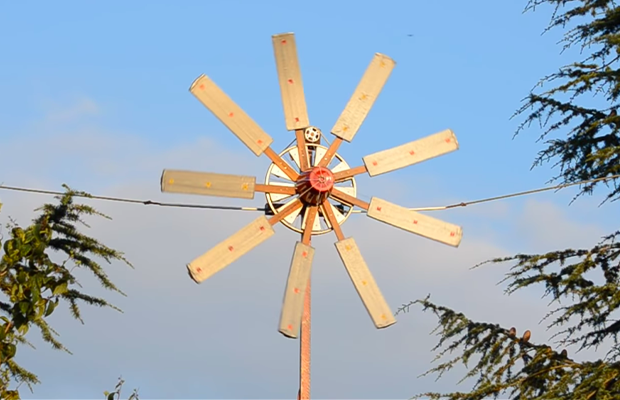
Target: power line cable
x,y
506,196
134,201
237,208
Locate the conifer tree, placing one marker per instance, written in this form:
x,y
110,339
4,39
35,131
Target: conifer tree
x,y
33,283
116,393
579,127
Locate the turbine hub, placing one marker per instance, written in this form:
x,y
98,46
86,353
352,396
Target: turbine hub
x,y
315,185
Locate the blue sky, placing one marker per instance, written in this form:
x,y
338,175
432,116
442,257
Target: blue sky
x,y
137,60
96,95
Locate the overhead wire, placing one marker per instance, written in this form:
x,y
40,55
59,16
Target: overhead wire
x,y
517,194
135,201
238,208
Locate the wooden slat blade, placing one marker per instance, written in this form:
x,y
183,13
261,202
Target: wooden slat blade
x,y
411,153
318,155
364,97
208,184
231,249
231,115
350,190
337,214
277,171
291,85
414,222
298,278
364,283
342,166
316,225
294,153
292,216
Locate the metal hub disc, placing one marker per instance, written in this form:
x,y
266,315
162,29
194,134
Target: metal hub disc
x,y
312,188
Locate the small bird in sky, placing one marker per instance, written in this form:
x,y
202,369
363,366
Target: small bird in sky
x,y
410,35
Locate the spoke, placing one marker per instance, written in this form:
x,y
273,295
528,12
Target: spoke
x,y
276,189
310,221
286,210
339,216
281,164
279,173
329,154
292,216
349,173
350,200
302,151
278,197
331,219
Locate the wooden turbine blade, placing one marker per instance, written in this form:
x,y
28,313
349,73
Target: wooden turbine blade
x,y
220,185
364,97
231,115
208,184
359,273
291,86
298,278
415,222
228,251
411,153
364,283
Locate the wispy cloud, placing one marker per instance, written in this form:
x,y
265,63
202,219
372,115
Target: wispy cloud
x,y
79,108
177,339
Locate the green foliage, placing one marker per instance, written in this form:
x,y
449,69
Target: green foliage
x,y
593,305
592,146
116,393
584,284
34,285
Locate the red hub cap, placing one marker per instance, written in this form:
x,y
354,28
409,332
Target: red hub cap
x,y
321,179
315,185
